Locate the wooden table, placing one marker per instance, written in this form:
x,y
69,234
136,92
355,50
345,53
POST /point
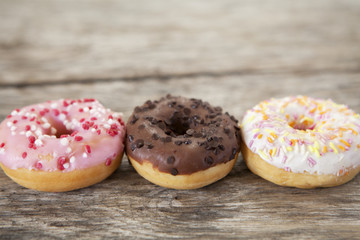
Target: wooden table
x,y
230,53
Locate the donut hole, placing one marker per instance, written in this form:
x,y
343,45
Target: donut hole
x,y
60,129
178,125
302,123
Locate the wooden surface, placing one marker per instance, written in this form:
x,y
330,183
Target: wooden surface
x,y
230,53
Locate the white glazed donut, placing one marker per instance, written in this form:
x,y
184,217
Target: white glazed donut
x,y
61,145
302,142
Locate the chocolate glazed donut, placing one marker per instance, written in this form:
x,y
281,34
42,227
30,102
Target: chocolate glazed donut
x,y
182,143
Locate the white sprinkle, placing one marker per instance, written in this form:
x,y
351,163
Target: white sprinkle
x,y
72,159
44,119
13,128
110,121
38,142
53,131
41,137
2,150
92,111
28,134
13,113
55,154
13,133
66,165
33,128
84,155
62,117
86,109
64,141
93,130
107,126
46,125
38,132
54,105
9,124
27,114
68,150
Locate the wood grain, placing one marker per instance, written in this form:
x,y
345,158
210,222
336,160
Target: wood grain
x,y
63,40
241,206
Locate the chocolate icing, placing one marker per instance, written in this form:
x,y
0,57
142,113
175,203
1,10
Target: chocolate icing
x,y
181,136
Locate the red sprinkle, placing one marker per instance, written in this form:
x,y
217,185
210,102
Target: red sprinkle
x,y
24,117
60,163
46,110
27,127
15,121
72,102
9,116
108,162
65,103
2,145
95,126
111,117
112,132
78,138
24,155
93,119
81,120
64,112
56,112
32,119
81,110
31,139
87,149
38,165
98,132
85,126
113,126
31,145
74,133
89,100
64,136
42,113
33,109
18,110
38,122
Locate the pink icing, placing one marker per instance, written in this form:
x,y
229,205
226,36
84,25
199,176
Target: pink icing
x,y
61,135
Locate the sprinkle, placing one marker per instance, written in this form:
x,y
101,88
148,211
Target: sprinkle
x,y
270,140
24,155
38,165
66,165
332,146
289,149
78,138
64,141
342,148
316,145
311,162
108,162
311,148
260,136
324,149
9,124
31,139
256,130
87,149
262,154
68,150
2,145
345,142
287,169
273,135
38,142
53,131
284,159
46,125
72,159
317,153
85,155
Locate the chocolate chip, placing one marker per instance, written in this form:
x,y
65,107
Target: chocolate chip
x,y
170,160
154,121
187,111
198,135
233,153
190,132
138,109
178,142
221,147
152,106
168,139
226,130
162,139
139,143
132,146
162,125
150,146
131,138
134,119
174,171
155,136
187,141
142,126
208,160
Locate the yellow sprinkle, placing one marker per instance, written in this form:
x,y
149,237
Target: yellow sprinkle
x,y
342,148
256,130
273,135
316,145
289,149
333,147
268,130
317,153
282,110
270,140
262,154
345,142
311,149
248,120
285,134
282,140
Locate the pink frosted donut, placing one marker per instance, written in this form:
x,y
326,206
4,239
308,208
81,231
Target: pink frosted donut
x,y
61,145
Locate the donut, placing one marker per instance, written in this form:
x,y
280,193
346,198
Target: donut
x,y
61,145
302,142
182,143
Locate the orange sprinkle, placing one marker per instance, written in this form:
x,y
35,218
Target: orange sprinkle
x,y
342,148
260,136
287,116
273,135
324,149
265,117
270,140
353,131
333,137
345,142
313,110
293,141
341,172
270,152
358,146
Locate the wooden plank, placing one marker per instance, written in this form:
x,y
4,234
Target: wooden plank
x,y
241,206
55,40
